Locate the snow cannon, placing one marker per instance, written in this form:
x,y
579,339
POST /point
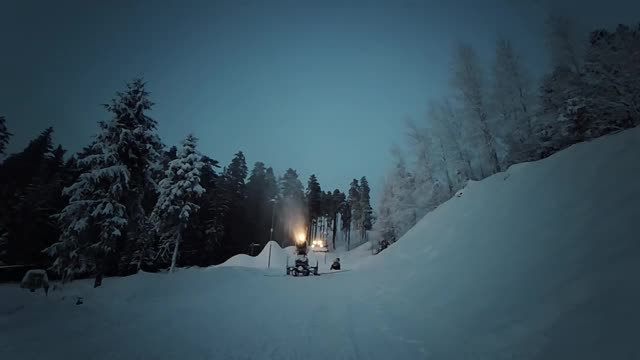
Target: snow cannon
x,y
301,244
301,264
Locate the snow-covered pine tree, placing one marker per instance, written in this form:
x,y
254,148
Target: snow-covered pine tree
x,y
5,135
272,192
31,182
33,228
612,90
314,197
178,194
365,205
19,170
254,205
562,107
201,247
327,206
353,199
145,250
271,184
291,186
4,241
562,102
106,201
95,217
345,222
338,200
291,207
140,150
234,177
217,202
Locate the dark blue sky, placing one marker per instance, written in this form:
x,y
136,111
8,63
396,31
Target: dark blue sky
x,y
319,86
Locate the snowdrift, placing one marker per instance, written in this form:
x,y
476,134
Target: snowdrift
x,y
260,261
278,258
539,262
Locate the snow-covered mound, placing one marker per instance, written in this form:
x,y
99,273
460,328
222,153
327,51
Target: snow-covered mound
x,y
540,262
260,261
279,258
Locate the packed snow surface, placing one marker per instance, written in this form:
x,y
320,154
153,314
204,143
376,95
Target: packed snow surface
x,y
538,262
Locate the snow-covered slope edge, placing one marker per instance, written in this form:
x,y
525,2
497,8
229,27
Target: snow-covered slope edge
x,y
538,262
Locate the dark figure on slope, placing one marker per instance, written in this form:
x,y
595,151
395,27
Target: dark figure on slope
x,y
336,264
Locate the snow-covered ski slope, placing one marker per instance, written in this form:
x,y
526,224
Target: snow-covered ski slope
x,y
539,262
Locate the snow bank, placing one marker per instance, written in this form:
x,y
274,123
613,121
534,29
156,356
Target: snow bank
x,y
279,258
260,261
540,262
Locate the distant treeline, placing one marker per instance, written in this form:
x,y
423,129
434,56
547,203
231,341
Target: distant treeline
x,y
127,203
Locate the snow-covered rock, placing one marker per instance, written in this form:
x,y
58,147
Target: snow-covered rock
x,y
35,279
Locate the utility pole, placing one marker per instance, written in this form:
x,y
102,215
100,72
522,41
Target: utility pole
x,y
273,212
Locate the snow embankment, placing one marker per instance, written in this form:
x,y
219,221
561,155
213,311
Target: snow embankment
x,y
261,261
539,262
279,257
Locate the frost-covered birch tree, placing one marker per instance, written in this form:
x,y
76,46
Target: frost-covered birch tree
x,y
512,104
178,192
424,176
404,212
448,127
385,225
468,81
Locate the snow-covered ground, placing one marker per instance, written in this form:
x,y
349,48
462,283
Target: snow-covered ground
x,y
539,262
279,258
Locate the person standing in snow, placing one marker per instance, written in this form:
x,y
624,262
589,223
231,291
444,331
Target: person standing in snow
x,y
336,264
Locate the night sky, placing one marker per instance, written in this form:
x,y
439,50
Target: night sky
x,y
320,86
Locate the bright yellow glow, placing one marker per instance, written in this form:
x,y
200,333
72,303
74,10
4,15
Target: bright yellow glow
x,y
300,237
